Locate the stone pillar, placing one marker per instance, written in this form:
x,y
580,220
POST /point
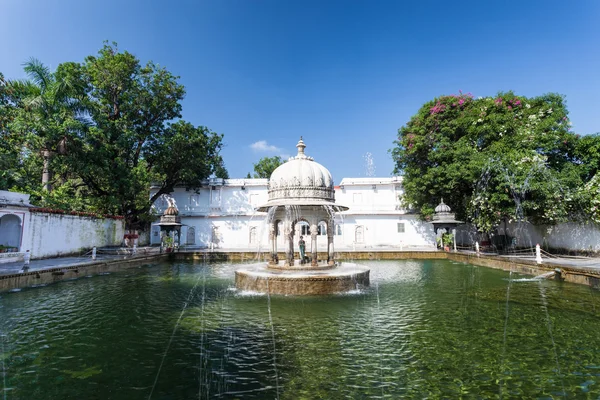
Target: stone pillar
x,y
313,239
454,239
330,232
291,240
273,239
289,235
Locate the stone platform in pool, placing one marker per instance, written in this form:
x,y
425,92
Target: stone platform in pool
x,y
343,277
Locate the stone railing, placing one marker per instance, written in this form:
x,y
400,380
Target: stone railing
x,y
11,257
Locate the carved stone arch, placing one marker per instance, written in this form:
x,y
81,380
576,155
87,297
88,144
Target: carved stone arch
x,y
304,226
359,234
322,227
253,233
190,236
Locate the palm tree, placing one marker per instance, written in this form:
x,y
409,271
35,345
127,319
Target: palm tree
x,y
51,111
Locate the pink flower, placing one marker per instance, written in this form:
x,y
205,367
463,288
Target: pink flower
x,y
438,108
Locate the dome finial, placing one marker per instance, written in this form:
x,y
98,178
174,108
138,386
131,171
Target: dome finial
x,y
301,147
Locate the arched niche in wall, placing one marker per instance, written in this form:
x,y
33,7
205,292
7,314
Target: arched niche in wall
x,y
10,230
191,235
359,234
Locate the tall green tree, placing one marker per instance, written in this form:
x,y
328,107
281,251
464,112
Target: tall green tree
x,y
588,152
133,141
491,159
265,167
103,131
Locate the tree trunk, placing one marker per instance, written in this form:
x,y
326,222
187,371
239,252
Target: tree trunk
x,y
46,174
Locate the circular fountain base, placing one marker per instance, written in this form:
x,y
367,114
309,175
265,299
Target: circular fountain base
x,y
317,280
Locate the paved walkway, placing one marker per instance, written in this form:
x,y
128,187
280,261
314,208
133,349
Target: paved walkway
x,y
58,262
583,263
566,261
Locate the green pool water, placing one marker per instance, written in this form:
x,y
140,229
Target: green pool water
x,y
424,329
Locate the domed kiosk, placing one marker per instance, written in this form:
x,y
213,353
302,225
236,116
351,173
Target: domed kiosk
x,y
301,191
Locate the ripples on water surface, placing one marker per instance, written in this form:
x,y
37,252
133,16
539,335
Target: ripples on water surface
x,y
430,329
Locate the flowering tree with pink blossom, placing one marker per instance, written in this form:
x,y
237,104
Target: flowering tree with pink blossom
x,y
491,159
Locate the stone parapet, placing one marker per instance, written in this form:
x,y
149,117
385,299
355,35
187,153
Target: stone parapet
x,y
11,257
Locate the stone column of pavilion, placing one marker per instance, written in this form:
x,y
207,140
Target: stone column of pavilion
x,y
273,240
313,239
289,248
307,187
330,231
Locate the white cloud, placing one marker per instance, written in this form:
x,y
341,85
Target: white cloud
x,y
263,147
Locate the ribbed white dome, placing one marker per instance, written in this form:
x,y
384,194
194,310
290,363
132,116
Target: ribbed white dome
x,y
300,180
306,173
442,208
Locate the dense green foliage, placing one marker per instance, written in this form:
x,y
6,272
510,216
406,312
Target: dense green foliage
x,y
9,155
265,167
494,159
100,133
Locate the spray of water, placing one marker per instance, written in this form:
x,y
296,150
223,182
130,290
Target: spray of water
x,y
549,325
369,164
381,378
268,220
520,178
273,339
501,387
162,361
3,336
202,359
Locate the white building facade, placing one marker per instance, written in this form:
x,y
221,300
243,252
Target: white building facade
x,y
221,215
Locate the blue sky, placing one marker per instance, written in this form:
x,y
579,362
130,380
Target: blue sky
x,y
343,74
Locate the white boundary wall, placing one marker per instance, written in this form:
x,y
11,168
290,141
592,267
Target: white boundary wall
x,y
564,236
51,235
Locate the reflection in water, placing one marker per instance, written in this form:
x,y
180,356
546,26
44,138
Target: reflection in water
x,y
432,329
